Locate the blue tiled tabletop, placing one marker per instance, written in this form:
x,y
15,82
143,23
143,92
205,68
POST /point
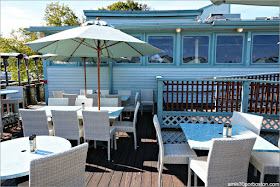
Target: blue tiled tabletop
x,y
4,92
16,155
199,136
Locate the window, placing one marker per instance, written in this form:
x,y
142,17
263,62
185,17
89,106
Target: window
x,y
265,49
229,49
131,59
164,43
195,49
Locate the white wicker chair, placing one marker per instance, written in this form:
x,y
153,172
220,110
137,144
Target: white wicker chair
x,y
58,102
65,168
126,93
128,126
94,97
147,98
250,121
97,127
83,92
58,94
66,124
131,107
88,102
227,162
266,162
35,122
71,98
171,153
109,102
119,97
103,92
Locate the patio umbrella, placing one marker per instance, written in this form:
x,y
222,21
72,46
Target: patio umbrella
x,y
55,57
248,2
99,40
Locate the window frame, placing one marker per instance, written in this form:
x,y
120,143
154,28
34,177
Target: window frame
x,y
243,49
174,49
251,49
209,35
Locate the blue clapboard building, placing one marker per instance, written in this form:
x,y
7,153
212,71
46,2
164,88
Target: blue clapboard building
x,y
203,43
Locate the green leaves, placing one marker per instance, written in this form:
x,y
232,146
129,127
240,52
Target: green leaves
x,y
130,5
60,15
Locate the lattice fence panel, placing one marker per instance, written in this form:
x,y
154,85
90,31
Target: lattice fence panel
x,y
173,137
173,121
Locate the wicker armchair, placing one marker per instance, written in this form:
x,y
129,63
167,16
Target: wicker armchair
x,y
171,153
250,121
88,102
83,92
58,102
97,127
147,98
119,97
60,169
227,162
58,94
127,93
103,92
71,98
128,126
66,124
35,122
14,99
131,107
266,162
109,102
94,97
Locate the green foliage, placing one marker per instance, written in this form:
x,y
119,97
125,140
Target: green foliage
x,y
130,5
60,15
15,44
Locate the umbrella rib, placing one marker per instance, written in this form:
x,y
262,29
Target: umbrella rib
x,y
47,45
75,50
111,45
134,48
105,43
107,50
85,44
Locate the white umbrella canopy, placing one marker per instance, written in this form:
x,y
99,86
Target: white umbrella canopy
x,y
97,40
248,2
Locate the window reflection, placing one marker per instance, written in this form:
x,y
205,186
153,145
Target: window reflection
x,y
131,59
229,49
265,49
164,43
195,49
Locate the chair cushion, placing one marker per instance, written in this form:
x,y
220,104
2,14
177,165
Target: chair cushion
x,y
177,153
199,166
124,126
267,162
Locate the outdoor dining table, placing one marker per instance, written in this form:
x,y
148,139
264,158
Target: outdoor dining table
x,y
16,155
123,97
114,112
199,136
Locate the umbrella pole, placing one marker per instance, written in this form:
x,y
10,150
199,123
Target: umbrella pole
x,y
98,73
85,75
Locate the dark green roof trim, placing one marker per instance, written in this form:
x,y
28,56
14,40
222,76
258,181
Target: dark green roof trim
x,y
248,23
163,13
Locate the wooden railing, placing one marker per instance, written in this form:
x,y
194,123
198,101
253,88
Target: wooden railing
x,y
216,97
262,76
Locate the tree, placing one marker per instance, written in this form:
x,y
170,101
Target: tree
x,y
60,15
15,44
130,5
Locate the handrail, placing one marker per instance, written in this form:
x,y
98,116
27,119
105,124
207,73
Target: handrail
x,y
248,75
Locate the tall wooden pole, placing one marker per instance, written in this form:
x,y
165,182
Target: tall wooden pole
x,y
98,72
85,74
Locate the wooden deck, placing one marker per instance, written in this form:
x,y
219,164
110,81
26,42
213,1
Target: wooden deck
x,y
134,168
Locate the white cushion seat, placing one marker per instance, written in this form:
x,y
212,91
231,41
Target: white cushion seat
x,y
178,153
266,162
124,126
112,131
199,166
147,102
129,108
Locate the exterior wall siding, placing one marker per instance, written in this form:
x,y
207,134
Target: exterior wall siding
x,y
71,79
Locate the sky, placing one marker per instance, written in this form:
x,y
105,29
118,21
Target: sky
x,y
16,14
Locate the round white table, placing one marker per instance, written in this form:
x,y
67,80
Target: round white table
x,y
16,155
